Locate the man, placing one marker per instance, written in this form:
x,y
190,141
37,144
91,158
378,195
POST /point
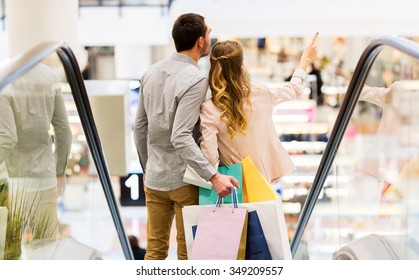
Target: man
x,y
172,92
35,160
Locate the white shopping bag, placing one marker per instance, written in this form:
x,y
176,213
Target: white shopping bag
x,y
67,248
272,219
191,177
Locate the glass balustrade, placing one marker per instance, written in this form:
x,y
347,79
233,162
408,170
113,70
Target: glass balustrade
x,y
372,187
53,205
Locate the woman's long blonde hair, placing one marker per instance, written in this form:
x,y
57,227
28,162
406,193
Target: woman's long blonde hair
x,y
230,85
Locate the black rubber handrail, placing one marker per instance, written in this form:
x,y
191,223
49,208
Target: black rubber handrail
x,y
17,66
351,97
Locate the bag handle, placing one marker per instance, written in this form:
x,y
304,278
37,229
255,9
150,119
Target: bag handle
x,y
234,200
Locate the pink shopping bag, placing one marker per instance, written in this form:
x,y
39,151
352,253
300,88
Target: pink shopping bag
x,y
219,233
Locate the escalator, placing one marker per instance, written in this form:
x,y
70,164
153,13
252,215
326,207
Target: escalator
x,y
370,165
47,128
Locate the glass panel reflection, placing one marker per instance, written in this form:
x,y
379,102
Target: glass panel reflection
x,y
372,213
52,202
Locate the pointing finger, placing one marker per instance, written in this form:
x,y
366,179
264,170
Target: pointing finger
x,y
314,38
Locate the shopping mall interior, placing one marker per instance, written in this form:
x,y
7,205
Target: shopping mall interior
x,y
351,135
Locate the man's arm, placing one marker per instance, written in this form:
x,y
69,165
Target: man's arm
x,y
141,132
63,138
187,115
62,132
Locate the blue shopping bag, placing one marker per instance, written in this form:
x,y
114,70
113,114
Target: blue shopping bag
x,y
256,245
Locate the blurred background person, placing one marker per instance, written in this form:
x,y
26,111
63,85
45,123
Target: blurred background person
x,y
316,92
137,251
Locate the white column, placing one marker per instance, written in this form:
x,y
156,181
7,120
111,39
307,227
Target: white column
x,y
32,22
131,61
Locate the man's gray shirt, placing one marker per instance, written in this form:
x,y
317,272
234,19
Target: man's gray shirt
x,y
28,107
171,94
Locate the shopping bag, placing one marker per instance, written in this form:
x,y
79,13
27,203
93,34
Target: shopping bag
x,y
272,219
191,177
221,233
66,248
191,215
255,185
207,196
256,246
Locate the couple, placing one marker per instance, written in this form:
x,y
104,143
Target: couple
x,y
235,121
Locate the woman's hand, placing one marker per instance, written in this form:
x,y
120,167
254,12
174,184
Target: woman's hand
x,y
309,54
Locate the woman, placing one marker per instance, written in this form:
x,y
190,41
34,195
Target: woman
x,y
237,120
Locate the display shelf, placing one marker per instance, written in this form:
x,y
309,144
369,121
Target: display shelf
x,y
294,111
304,147
301,179
299,133
334,90
302,128
360,209
313,160
299,105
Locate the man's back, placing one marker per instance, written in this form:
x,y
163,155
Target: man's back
x,y
29,106
164,87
